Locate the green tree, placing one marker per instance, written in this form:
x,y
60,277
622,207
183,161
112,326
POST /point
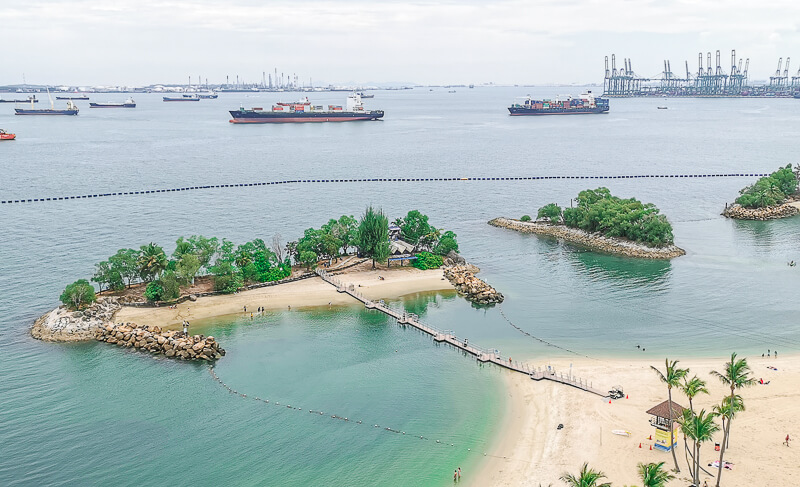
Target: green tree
x,y
171,286
654,475
344,229
671,376
692,387
525,218
227,279
586,478
78,295
736,375
182,247
308,258
106,275
152,261
550,211
426,260
204,248
373,235
188,267
447,242
125,261
414,226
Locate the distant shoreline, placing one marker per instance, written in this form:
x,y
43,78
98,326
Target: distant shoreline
x,y
593,241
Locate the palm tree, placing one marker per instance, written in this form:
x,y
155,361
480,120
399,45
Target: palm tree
x,y
700,428
672,378
736,375
691,388
727,410
653,475
587,478
151,261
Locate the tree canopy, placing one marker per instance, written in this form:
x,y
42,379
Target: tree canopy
x,y
599,211
770,190
373,235
78,295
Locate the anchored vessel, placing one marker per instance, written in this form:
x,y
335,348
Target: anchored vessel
x,y
129,103
587,103
182,98
304,111
71,110
76,97
31,99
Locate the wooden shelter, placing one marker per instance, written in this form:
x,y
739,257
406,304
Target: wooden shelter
x,y
660,421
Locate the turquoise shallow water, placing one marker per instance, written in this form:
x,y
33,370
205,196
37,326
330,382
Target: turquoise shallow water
x,y
93,414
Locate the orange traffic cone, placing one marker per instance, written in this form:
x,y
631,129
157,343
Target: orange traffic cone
x,y
626,396
650,437
651,447
640,445
609,401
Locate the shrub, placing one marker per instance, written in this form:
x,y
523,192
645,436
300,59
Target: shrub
x,y
447,242
769,190
154,291
525,218
78,295
426,260
170,285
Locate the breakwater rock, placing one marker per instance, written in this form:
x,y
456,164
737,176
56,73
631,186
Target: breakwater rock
x,y
593,241
463,279
739,212
173,344
63,325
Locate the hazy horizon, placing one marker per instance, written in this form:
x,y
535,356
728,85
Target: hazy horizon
x,y
81,42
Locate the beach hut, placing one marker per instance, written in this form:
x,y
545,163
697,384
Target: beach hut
x,y
400,250
660,421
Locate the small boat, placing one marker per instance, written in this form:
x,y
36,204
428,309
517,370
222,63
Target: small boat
x,y
621,432
451,91
662,108
129,103
31,99
72,109
207,96
6,136
366,95
80,97
182,98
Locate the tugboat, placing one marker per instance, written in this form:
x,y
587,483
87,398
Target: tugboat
x,y
129,103
586,104
304,111
72,109
6,136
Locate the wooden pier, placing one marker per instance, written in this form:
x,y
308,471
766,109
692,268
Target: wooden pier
x,y
483,355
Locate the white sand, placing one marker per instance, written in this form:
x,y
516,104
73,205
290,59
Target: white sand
x,y
537,453
306,293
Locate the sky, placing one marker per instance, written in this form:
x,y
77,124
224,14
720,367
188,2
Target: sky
x,y
140,42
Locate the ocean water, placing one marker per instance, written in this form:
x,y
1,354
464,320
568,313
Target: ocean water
x,y
92,414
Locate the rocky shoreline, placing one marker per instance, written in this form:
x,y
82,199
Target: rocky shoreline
x,y
63,325
172,344
739,212
476,290
591,240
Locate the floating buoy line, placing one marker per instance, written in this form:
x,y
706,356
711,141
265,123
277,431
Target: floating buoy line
x,y
369,180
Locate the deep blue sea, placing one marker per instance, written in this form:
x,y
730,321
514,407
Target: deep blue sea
x,y
91,414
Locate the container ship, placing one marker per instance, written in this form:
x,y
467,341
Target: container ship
x,y
304,111
587,103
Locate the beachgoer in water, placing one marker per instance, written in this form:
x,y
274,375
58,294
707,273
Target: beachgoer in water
x,y
459,472
455,475
776,354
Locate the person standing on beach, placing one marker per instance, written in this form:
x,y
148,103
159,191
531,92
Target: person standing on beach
x,y
786,442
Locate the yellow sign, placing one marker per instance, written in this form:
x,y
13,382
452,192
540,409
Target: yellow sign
x,y
663,440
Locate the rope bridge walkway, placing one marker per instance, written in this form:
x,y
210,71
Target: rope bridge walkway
x,y
368,180
483,355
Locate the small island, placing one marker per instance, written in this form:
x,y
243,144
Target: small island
x,y
147,297
604,223
771,197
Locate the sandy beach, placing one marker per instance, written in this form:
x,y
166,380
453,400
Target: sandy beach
x,y
538,453
311,292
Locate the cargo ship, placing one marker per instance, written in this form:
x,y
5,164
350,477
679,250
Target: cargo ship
x,y
71,110
587,103
31,99
182,98
304,111
78,97
129,103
